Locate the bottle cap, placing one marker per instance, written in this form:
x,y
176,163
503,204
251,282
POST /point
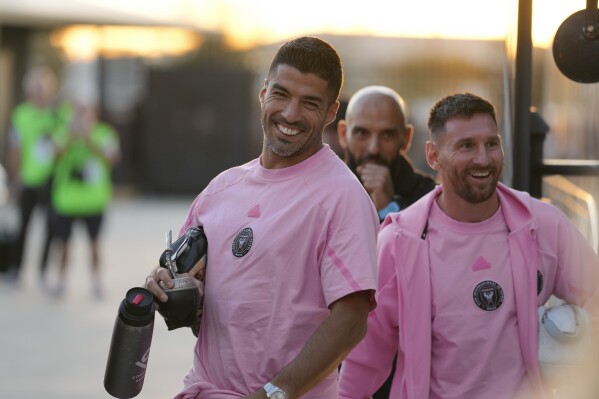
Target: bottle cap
x,y
138,307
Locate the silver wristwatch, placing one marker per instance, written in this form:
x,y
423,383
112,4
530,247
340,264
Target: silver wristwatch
x,y
274,392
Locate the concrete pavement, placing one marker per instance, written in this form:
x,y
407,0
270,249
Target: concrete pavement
x,y
57,348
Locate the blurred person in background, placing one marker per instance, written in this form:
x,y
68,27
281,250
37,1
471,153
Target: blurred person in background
x,y
291,248
376,137
82,186
31,156
9,222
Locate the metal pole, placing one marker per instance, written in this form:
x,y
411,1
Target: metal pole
x,y
538,132
522,100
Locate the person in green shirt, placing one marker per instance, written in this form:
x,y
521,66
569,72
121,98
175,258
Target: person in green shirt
x,y
82,185
31,155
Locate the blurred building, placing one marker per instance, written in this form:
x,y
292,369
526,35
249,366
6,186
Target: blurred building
x,y
171,108
186,105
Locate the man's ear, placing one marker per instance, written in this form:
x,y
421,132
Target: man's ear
x,y
263,92
408,134
432,155
342,133
332,113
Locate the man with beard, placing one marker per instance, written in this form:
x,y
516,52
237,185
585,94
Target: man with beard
x,y
375,136
462,272
291,256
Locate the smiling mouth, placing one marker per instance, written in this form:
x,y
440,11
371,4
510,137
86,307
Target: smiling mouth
x,y
287,131
481,174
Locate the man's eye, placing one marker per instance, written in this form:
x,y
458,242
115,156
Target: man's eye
x,y
311,106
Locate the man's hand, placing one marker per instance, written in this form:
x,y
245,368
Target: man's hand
x,y
178,300
376,179
161,278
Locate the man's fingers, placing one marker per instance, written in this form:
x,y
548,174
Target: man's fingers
x,y
156,281
376,180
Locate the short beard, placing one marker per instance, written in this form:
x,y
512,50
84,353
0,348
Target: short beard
x,y
353,163
281,149
466,192
278,150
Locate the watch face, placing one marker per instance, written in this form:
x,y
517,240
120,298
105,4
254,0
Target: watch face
x,y
278,395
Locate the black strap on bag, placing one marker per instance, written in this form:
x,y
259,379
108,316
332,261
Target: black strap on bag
x,y
188,250
185,305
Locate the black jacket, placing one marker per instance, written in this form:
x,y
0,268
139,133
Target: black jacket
x,y
409,183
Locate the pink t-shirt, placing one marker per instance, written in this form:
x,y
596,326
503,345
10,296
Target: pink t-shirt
x,y
282,246
475,347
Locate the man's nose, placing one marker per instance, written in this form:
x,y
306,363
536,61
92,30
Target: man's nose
x,y
373,145
482,155
291,112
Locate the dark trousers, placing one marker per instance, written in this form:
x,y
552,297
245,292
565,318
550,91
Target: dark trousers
x,y
30,198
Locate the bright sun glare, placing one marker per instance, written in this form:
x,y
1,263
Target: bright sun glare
x,y
264,21
249,23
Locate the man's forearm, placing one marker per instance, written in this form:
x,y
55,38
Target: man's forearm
x,y
328,346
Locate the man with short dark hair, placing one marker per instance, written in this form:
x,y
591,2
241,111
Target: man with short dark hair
x,y
376,136
291,248
462,273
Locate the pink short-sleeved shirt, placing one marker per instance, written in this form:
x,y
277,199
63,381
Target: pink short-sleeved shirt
x,y
474,328
282,246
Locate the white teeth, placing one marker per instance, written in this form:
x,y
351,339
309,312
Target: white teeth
x,y
287,131
480,174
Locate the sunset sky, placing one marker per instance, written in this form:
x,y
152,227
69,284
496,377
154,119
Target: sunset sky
x,y
247,23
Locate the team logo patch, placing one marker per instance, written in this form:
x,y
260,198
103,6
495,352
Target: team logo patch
x,y
540,282
488,295
243,242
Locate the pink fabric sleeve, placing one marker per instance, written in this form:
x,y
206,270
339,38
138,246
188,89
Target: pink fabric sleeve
x,y
369,364
191,219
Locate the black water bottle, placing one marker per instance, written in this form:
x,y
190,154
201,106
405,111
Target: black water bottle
x,y
130,345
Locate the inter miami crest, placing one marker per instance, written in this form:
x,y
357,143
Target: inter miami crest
x,y
488,295
243,242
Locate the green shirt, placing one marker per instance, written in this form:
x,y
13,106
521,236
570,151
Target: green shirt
x,y
35,131
82,180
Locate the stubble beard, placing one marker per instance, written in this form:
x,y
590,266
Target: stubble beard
x,y
278,147
472,195
353,162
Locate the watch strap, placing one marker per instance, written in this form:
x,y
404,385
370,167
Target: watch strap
x,y
270,389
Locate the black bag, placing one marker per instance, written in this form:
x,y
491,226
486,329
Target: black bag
x,y
188,250
185,305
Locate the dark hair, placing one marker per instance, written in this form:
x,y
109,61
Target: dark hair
x,y
312,55
457,105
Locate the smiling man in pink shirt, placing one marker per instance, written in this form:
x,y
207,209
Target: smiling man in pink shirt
x,y
291,236
462,272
